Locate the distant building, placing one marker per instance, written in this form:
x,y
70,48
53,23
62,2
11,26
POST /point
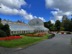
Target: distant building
x,y
34,25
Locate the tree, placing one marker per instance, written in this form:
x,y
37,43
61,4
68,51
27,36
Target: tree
x,y
2,33
52,28
6,29
61,28
0,20
1,25
70,26
48,24
66,23
57,25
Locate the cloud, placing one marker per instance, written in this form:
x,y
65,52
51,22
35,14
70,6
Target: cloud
x,y
58,14
60,4
13,7
52,21
42,19
13,3
62,7
7,10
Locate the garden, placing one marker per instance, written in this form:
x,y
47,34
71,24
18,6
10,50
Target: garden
x,y
21,41
18,40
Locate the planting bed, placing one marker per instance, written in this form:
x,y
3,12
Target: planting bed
x,y
10,38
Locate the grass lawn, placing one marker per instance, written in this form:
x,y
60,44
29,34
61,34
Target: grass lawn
x,y
25,41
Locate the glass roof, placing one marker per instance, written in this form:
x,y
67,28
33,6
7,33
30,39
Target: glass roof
x,y
14,27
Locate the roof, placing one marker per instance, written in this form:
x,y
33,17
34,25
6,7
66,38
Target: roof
x,y
36,21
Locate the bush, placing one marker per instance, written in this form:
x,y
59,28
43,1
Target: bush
x,y
2,34
51,36
6,29
68,32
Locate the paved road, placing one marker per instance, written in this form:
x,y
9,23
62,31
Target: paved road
x,y
60,44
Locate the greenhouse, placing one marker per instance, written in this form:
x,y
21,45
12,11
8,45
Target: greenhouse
x,y
34,25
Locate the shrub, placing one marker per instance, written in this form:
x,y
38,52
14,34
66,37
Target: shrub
x,y
51,36
2,34
62,32
6,29
68,32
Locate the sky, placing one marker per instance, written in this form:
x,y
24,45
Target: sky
x,y
26,10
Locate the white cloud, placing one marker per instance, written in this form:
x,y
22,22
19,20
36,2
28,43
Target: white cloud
x,y
62,7
58,14
60,4
13,3
49,3
68,13
52,21
7,10
42,19
14,9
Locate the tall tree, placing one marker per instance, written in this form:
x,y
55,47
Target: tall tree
x,y
57,25
70,26
0,20
66,24
1,25
48,24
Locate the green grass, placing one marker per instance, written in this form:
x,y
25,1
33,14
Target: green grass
x,y
25,41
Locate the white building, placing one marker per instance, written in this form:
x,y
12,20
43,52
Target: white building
x,y
34,25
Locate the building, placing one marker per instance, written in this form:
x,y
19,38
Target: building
x,y
34,25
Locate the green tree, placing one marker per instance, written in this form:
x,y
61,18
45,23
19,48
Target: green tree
x,y
66,24
2,33
48,25
1,25
6,29
0,20
61,28
70,26
52,28
57,25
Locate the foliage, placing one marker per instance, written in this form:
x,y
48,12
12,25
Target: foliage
x,y
51,36
6,29
65,25
0,20
68,32
48,25
53,28
57,25
2,34
62,29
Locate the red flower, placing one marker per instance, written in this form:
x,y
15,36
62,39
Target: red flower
x,y
10,38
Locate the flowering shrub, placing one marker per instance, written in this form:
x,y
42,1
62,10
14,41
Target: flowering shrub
x,y
62,32
10,38
36,34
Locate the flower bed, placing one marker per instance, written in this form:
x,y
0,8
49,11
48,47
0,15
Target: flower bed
x,y
36,34
10,38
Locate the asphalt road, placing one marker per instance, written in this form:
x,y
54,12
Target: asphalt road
x,y
60,44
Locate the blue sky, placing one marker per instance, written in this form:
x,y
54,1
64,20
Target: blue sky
x,y
26,10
